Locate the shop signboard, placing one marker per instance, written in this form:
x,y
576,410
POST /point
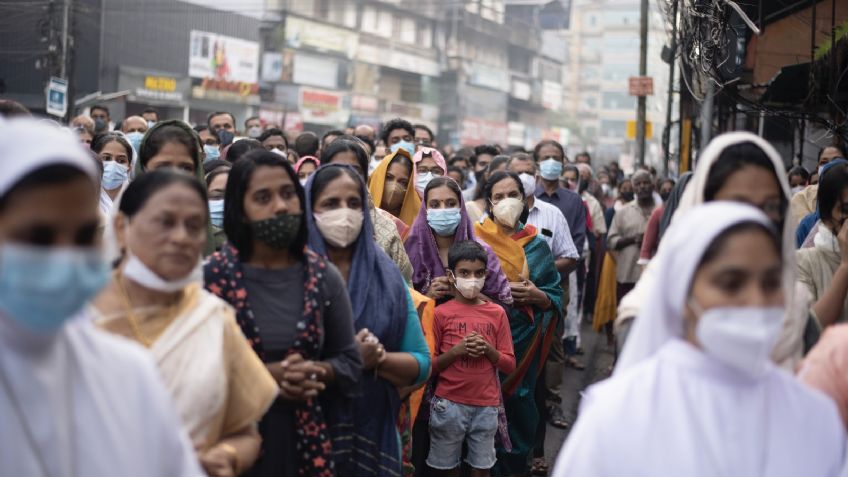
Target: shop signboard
x,y
301,32
223,58
479,131
312,70
322,107
224,68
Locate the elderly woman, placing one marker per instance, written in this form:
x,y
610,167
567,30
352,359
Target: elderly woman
x,y
156,298
530,268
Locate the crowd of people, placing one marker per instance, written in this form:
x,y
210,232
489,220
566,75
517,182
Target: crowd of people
x,y
221,300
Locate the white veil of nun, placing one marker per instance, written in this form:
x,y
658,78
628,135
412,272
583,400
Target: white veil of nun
x,y
671,409
660,318
789,349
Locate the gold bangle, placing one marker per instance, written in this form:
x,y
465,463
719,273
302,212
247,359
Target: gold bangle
x,y
233,453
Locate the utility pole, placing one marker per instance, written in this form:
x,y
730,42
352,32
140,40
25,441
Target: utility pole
x,y
671,65
643,71
63,65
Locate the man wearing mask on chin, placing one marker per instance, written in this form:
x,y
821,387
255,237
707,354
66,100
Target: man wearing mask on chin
x,y
71,396
627,231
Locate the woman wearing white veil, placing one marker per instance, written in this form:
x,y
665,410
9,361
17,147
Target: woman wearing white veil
x,y
740,167
695,392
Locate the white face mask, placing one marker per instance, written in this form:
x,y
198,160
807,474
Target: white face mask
x,y
740,337
528,181
138,272
507,211
421,181
469,287
340,227
796,189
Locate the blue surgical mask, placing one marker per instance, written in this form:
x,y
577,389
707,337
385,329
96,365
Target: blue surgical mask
x,y
443,221
212,152
550,169
421,181
225,137
134,139
406,145
42,287
216,212
150,124
114,175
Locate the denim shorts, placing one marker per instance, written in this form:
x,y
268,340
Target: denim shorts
x,y
451,424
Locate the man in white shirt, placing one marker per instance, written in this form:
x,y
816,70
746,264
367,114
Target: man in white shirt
x,y
554,229
74,401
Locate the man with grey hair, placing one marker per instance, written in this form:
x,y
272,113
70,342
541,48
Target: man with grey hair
x,y
627,231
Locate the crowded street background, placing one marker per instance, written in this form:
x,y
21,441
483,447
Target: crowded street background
x,y
199,277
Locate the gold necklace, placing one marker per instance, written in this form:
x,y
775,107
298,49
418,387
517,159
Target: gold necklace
x,y
134,321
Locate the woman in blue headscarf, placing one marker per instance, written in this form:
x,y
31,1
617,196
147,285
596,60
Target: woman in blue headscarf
x,y
390,339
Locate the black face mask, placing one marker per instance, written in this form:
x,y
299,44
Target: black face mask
x,y
627,196
665,195
225,137
279,231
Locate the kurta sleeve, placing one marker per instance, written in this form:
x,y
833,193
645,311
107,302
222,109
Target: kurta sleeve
x,y
615,231
250,387
805,273
413,342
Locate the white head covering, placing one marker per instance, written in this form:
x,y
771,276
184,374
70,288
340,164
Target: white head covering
x,y
661,316
27,145
694,193
788,349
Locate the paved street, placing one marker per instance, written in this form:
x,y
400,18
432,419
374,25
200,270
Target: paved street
x,y
598,358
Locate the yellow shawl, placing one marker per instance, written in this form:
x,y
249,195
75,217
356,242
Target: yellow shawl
x,y
509,250
605,303
377,181
426,313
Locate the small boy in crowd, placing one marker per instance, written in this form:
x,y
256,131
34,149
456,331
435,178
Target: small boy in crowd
x,y
473,343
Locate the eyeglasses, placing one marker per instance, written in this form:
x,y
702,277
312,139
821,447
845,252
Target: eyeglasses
x,y
435,170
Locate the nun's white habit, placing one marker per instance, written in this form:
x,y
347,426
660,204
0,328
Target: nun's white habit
x,y
789,349
673,410
79,402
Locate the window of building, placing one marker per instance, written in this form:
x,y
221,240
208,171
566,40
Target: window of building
x,y
349,15
407,30
618,100
425,34
410,88
613,128
621,19
384,24
369,19
305,7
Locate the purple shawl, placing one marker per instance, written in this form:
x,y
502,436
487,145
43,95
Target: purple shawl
x,y
424,255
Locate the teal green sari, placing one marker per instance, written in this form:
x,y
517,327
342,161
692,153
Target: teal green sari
x,y
532,333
